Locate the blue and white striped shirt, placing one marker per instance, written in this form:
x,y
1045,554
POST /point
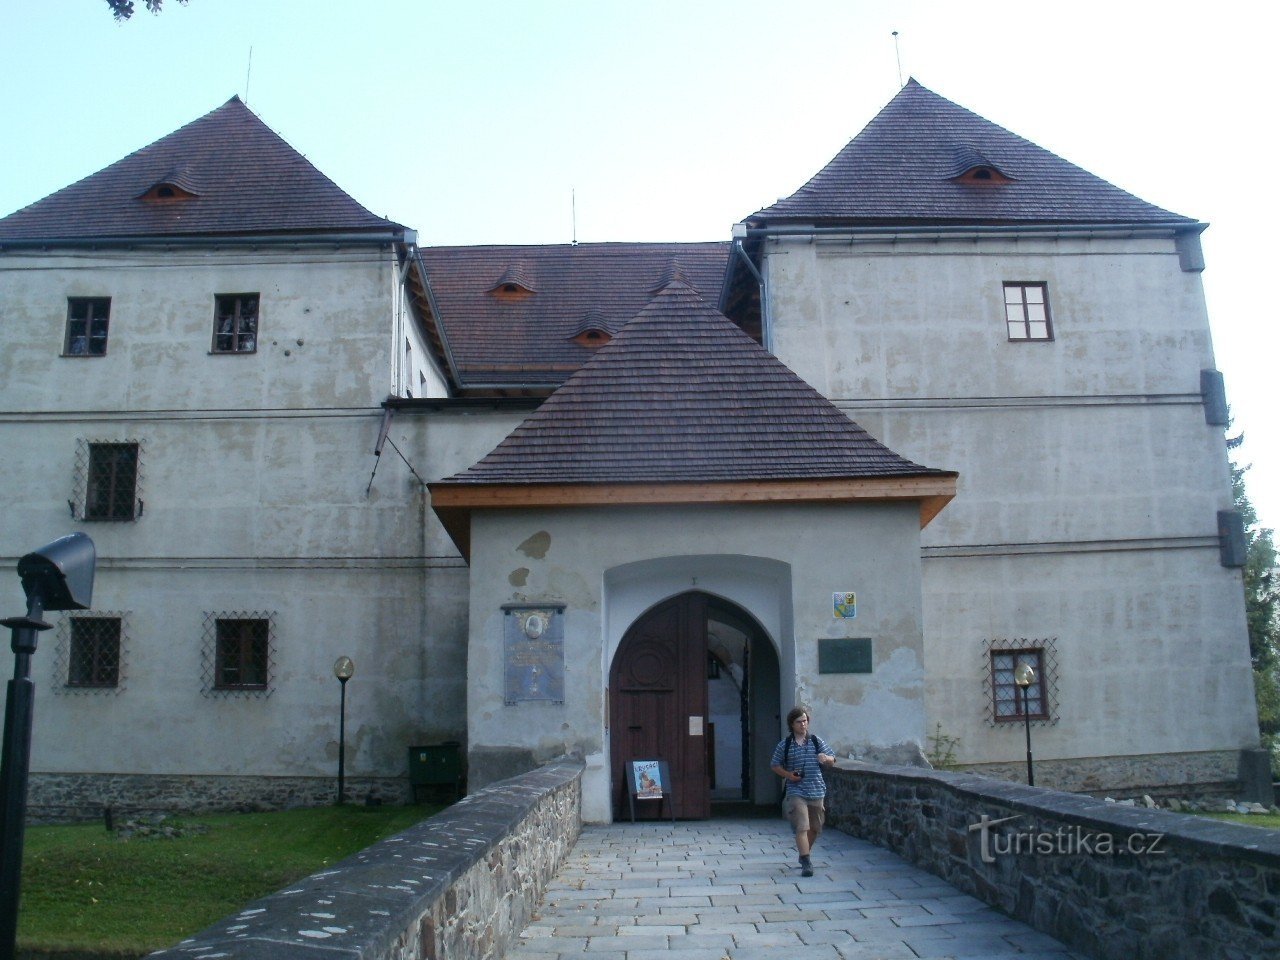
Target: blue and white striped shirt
x,y
803,758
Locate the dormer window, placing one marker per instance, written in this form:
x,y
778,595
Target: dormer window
x,y
167,191
514,284
983,176
970,165
592,331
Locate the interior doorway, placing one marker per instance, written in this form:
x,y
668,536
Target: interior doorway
x,y
695,682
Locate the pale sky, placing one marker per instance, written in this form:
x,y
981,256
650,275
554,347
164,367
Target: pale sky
x,y
478,122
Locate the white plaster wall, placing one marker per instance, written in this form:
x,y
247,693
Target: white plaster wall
x,y
254,472
161,330
610,565
1089,480
1152,656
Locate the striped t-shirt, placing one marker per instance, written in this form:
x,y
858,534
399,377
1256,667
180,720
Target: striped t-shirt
x,y
803,758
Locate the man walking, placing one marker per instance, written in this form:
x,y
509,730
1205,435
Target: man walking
x,y
799,760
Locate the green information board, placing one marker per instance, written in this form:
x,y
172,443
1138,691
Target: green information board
x,y
845,655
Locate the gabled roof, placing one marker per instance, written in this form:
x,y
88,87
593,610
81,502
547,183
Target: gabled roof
x,y
244,177
900,170
525,340
682,406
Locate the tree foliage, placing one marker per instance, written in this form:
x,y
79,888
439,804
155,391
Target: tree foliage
x,y
123,9
1262,610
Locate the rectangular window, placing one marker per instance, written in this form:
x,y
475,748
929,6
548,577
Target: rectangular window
x,y
235,323
87,319
112,482
241,654
94,656
1026,311
1012,702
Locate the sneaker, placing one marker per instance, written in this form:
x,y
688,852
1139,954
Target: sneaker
x,y
806,867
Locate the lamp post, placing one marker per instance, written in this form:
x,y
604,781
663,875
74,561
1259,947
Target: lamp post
x,y
1024,676
58,576
343,669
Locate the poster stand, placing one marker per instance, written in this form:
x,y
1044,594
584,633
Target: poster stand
x,y
650,780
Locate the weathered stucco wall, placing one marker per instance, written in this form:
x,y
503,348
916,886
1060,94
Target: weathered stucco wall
x,y
253,477
566,556
1089,480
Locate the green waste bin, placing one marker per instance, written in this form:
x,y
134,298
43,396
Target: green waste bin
x,y
436,765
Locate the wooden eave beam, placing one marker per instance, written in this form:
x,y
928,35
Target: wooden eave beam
x,y
454,502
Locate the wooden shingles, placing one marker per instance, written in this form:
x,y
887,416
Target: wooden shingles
x,y
682,407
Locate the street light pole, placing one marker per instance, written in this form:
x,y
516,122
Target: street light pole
x,y
19,714
57,576
1024,676
343,669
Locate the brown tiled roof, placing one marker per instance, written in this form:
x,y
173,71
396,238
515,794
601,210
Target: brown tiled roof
x,y
525,338
681,394
245,178
899,170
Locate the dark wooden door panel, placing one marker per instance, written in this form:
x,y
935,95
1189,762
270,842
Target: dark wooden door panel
x,y
658,701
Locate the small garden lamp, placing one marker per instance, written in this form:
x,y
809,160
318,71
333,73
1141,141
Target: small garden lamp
x,y
1024,676
343,668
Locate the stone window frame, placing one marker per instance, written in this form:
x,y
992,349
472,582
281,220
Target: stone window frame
x,y
64,654
92,471
214,653
84,311
236,329
1046,651
1019,312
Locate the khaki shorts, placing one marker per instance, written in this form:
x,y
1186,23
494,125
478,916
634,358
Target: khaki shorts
x,y
806,815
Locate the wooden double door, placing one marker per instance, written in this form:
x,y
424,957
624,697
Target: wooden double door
x,y
658,703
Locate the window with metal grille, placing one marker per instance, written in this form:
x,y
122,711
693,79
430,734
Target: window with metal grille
x,y
111,483
235,323
242,654
93,658
87,319
1011,702
1026,310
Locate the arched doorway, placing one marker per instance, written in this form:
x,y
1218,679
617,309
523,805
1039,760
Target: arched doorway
x,y
681,660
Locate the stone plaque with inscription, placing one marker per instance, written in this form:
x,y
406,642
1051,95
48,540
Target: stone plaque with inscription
x,y
533,641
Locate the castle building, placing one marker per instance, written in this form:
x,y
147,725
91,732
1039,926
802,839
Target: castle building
x,y
947,410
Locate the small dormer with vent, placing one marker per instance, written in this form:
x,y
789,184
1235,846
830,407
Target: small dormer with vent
x,y
969,166
175,186
514,284
592,331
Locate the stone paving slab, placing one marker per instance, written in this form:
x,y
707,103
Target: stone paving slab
x,y
731,890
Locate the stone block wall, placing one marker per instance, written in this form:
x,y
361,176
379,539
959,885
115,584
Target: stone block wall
x,y
1117,883
65,797
458,886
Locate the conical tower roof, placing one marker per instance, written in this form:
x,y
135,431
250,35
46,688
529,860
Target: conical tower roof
x,y
909,165
225,173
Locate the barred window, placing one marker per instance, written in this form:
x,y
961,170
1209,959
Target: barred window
x,y
1026,310
1012,702
242,654
87,319
111,482
235,323
93,658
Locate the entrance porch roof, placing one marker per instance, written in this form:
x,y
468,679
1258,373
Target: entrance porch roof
x,y
683,407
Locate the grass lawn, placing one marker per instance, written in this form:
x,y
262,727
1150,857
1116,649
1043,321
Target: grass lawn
x,y
1269,820
84,889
